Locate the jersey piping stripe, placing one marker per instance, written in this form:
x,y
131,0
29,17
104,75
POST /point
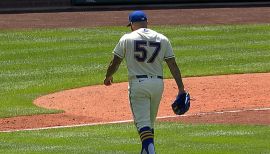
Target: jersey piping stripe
x,y
118,55
130,103
169,57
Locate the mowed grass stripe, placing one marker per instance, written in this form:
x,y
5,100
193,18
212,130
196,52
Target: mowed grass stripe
x,y
41,61
170,138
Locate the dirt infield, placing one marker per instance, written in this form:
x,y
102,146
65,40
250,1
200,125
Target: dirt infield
x,y
103,104
208,95
118,18
211,98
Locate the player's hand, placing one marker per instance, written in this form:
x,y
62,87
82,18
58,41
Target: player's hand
x,y
181,91
108,81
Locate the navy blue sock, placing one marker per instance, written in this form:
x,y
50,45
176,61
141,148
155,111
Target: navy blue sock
x,y
147,139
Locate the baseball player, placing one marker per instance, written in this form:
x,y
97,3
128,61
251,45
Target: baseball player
x,y
144,51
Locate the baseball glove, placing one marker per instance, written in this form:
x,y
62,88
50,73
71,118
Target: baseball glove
x,y
181,104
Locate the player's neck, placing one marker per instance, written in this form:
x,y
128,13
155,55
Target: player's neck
x,y
138,25
136,28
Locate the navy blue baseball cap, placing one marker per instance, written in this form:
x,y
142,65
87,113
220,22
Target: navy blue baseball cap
x,y
137,16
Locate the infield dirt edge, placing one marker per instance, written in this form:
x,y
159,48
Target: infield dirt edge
x,y
209,94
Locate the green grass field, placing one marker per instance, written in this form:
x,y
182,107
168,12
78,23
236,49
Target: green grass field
x,y
171,138
42,61
37,62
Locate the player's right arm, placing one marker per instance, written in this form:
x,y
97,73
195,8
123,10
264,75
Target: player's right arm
x,y
175,73
170,60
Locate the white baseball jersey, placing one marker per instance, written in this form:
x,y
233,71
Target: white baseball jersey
x,y
144,51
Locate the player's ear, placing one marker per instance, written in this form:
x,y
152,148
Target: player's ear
x,y
131,27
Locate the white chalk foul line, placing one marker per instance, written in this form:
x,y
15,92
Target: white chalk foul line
x,y
126,121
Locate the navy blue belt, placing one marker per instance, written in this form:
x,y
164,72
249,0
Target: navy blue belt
x,y
148,76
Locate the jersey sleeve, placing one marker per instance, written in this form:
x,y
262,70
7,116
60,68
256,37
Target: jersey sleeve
x,y
168,50
120,48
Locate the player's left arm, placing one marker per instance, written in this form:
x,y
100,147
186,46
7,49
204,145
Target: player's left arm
x,y
112,68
